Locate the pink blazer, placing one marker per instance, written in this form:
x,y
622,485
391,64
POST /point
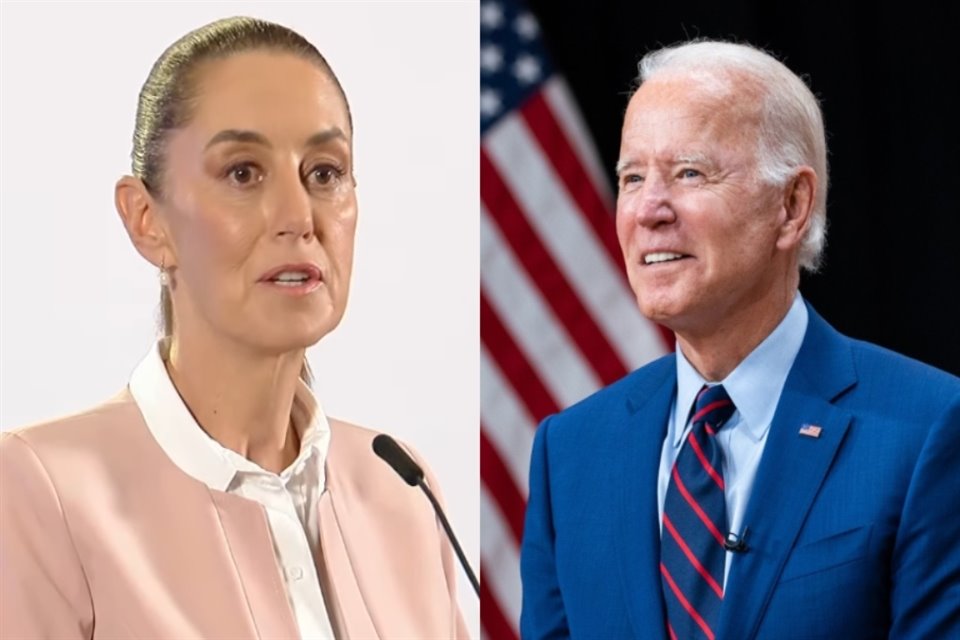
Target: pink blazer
x,y
102,536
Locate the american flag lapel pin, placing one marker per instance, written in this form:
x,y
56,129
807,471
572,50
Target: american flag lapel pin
x,y
811,430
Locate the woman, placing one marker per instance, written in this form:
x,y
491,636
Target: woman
x,y
212,497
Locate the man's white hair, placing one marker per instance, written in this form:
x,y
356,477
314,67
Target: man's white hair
x,y
791,126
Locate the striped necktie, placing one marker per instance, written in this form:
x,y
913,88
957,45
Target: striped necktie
x,y
694,523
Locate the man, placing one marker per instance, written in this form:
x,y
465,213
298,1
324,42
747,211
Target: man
x,y
773,478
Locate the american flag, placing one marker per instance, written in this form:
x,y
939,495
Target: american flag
x,y
557,317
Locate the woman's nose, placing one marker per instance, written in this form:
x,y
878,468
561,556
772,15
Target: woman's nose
x,y
292,214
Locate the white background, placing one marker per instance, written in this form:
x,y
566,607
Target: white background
x,y
78,306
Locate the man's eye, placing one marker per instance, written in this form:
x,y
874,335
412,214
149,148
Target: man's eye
x,y
690,173
631,178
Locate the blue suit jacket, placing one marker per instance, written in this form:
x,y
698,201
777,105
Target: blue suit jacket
x,y
855,534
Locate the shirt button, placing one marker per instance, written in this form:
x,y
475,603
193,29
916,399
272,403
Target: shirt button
x,y
295,573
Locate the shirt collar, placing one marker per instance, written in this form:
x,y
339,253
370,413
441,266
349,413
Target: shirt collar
x,y
756,383
199,455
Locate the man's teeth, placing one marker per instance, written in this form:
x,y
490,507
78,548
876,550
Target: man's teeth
x,y
663,256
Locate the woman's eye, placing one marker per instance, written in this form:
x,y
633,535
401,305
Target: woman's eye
x,y
325,175
244,174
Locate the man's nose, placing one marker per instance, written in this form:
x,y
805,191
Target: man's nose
x,y
651,205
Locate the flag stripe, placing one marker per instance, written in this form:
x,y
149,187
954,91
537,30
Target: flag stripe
x,y
597,281
495,624
542,123
558,317
542,270
564,107
506,422
497,479
571,166
519,305
513,363
500,559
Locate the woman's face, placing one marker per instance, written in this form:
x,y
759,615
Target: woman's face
x,y
259,204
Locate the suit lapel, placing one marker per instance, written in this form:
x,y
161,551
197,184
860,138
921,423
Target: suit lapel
x,y
641,429
248,538
791,472
353,616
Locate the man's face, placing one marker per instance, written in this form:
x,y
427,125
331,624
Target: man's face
x,y
697,227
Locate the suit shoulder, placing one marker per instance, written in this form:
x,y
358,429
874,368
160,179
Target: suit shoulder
x,y
351,434
351,454
899,391
879,367
634,386
355,437
83,428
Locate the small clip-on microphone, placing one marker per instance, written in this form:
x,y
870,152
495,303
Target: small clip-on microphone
x,y
737,543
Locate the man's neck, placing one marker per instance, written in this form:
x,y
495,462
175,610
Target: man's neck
x,y
716,352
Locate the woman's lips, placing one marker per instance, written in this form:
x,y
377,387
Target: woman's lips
x,y
294,288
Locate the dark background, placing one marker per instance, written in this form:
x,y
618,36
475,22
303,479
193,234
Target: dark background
x,y
887,80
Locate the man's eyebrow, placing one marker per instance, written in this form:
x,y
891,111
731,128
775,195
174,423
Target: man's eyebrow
x,y
691,158
238,135
623,164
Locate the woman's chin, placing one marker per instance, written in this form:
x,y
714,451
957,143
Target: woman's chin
x,y
275,339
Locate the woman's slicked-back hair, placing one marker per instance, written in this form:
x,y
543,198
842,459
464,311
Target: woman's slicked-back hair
x,y
791,128
167,96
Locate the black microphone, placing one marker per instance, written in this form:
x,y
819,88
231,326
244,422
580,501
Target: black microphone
x,y
737,543
401,462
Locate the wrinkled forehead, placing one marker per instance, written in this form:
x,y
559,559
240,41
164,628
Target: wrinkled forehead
x,y
689,114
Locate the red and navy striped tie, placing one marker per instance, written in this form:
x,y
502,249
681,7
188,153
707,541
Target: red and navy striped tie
x,y
695,523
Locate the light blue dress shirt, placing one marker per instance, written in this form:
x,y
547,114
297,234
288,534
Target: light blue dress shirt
x,y
754,386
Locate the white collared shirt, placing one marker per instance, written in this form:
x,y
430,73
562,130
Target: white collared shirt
x,y
754,386
289,499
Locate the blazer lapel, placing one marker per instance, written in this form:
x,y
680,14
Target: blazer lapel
x,y
248,538
641,430
351,610
793,467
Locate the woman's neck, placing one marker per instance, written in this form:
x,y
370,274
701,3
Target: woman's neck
x,y
240,397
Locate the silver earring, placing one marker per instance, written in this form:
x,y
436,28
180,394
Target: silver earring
x,y
164,277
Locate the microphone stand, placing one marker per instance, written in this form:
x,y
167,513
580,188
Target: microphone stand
x,y
452,538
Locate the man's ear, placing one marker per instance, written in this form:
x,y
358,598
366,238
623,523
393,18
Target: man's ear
x,y
138,211
799,198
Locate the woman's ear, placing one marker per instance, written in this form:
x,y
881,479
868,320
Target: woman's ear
x,y
138,211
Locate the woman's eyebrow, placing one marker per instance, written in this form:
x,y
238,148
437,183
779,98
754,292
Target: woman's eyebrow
x,y
240,135
322,137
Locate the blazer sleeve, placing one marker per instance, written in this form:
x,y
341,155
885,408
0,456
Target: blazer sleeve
x,y
458,629
43,590
542,614
926,559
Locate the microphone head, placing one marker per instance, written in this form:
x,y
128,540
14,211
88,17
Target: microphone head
x,y
401,462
